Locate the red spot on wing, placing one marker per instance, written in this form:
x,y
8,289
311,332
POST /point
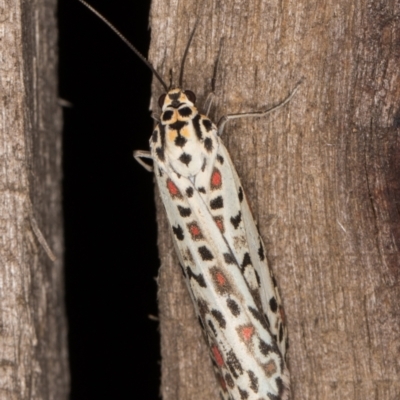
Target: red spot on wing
x,y
217,356
173,190
216,179
247,332
220,223
220,278
195,231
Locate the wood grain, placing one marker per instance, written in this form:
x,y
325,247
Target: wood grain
x,y
33,354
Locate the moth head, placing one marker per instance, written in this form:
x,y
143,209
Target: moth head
x,y
175,98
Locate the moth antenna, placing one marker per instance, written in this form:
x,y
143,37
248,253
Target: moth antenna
x,y
214,78
186,52
127,42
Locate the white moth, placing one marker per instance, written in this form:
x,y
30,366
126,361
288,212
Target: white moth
x,y
221,253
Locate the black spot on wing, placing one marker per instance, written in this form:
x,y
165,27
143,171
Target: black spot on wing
x,y
180,141
189,191
202,307
244,395
281,386
184,212
246,261
220,159
154,136
229,259
253,381
160,153
219,317
267,320
217,203
178,232
258,278
273,397
197,127
185,158
212,327
261,251
167,115
207,124
280,333
185,111
258,316
203,167
208,144
233,307
273,304
198,278
240,194
229,380
265,348
205,253
161,127
233,364
201,189
235,221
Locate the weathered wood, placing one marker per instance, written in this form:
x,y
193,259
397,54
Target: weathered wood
x,y
321,174
33,354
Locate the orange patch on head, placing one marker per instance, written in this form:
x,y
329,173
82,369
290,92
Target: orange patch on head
x,y
216,179
217,356
185,131
173,190
247,332
172,134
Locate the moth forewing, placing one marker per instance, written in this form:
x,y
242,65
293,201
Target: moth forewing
x,y
205,206
256,263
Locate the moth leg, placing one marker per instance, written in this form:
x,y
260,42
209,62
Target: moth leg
x,y
139,154
210,97
208,103
223,120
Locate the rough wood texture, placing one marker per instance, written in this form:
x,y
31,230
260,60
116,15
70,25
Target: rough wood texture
x,y
321,174
33,358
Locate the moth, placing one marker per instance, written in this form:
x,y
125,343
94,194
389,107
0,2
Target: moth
x,y
221,253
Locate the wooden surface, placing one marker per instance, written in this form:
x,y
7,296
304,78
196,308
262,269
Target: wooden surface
x,y
321,174
33,358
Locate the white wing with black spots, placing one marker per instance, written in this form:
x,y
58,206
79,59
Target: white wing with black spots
x,y
253,254
207,210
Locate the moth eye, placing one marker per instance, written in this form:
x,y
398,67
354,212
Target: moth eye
x,y
161,100
190,95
